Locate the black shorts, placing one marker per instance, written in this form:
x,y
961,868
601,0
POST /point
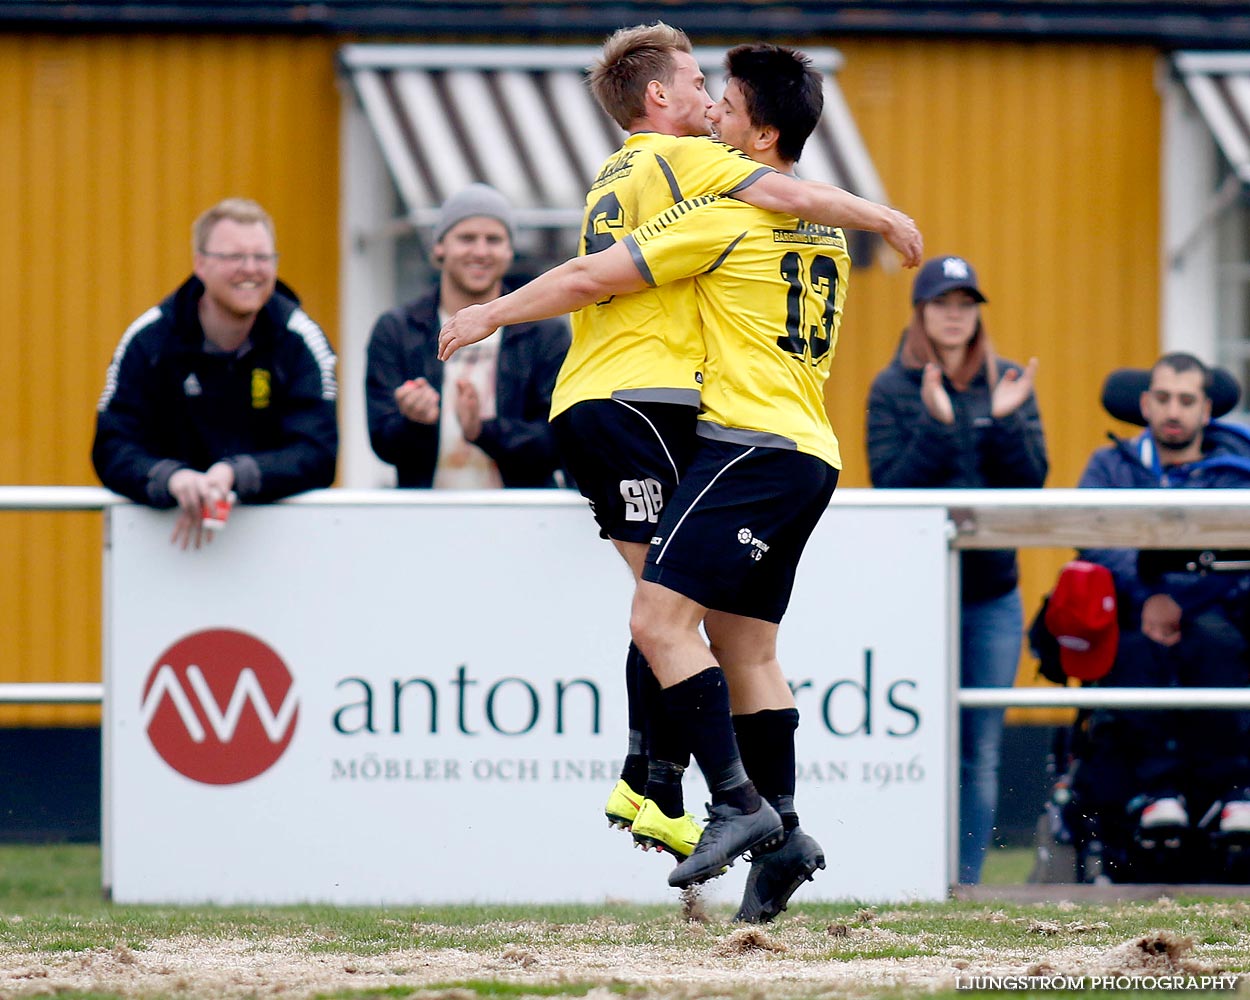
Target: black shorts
x,y
627,458
732,537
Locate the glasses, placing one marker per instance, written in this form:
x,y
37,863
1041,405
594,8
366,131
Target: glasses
x,y
239,259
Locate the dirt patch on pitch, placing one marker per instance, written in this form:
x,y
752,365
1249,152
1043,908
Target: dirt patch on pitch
x,y
795,957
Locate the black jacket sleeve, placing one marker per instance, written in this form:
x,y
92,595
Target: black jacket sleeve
x,y
1013,452
304,458
395,439
123,453
906,446
1100,474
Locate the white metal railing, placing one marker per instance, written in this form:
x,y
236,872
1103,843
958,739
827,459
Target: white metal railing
x,y
56,498
1065,697
979,519
51,694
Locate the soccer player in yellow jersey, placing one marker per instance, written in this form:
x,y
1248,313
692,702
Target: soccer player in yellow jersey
x,y
625,401
769,289
770,293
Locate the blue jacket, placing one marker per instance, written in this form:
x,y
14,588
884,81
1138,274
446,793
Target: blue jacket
x,y
169,404
1134,464
907,448
404,345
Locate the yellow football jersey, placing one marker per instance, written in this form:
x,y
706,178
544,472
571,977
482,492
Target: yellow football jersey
x,y
648,345
770,292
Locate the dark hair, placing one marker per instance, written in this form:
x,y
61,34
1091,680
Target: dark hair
x,y
781,89
1179,362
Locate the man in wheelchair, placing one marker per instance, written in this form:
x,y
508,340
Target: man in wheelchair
x,y
1157,795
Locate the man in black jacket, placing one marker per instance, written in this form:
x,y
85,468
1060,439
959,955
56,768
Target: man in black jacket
x,y
481,420
225,390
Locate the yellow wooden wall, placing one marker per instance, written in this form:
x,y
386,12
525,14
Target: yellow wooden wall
x,y
1040,163
109,148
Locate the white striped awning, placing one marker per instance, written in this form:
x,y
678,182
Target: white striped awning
x,y
523,120
1219,83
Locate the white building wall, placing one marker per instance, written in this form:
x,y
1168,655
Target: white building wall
x,y
1189,291
368,288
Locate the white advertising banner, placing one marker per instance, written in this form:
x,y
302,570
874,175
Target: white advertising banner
x,y
422,702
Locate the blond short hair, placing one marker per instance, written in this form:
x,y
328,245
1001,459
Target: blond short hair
x,y
630,59
242,210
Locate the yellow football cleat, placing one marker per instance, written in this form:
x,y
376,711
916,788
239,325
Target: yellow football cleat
x,y
652,829
623,805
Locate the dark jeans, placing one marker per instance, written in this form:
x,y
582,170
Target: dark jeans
x,y
990,639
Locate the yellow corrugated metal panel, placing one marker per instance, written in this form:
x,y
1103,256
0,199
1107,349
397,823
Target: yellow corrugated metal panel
x,y
1040,163
111,147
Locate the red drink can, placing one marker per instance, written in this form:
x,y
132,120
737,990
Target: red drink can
x,y
215,513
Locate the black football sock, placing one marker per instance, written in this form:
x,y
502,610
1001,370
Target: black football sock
x,y
634,771
664,787
699,707
664,740
766,744
784,804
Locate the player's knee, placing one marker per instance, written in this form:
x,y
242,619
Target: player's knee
x,y
646,629
652,624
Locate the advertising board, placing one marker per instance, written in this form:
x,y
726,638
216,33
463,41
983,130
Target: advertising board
x,y
423,702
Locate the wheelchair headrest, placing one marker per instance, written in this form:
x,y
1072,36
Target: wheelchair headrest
x,y
1121,393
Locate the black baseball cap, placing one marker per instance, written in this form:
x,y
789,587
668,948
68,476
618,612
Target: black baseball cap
x,y
944,274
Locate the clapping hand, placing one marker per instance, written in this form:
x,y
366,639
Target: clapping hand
x,y
469,409
1012,390
934,395
418,401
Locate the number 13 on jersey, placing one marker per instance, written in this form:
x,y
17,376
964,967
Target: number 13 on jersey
x,y
810,306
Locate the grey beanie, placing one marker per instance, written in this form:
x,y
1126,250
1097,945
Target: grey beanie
x,y
476,199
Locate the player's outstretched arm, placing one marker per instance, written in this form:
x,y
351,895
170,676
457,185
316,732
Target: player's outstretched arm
x,y
833,206
575,283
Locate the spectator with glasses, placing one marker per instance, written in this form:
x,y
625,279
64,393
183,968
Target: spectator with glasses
x,y
225,390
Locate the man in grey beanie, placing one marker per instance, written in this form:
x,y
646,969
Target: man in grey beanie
x,y
483,422
476,200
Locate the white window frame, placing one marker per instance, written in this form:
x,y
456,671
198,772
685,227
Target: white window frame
x,y
1200,196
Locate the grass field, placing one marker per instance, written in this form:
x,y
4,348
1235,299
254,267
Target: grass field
x,y
59,938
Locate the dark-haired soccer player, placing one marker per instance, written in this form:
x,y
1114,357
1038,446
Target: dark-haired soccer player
x,y
769,290
625,402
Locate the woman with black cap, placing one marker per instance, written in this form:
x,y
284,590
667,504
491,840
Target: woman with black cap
x,y
947,413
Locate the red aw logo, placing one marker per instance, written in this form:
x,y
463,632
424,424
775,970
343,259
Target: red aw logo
x,y
219,706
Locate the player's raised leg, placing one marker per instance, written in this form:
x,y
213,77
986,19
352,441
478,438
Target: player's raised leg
x,y
665,625
765,721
